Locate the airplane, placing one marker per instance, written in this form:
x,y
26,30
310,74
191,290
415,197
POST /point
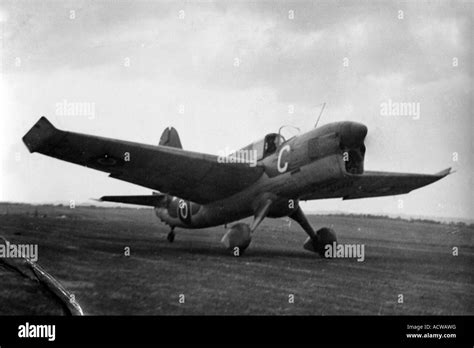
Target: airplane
x,y
197,190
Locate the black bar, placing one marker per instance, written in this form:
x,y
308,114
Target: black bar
x,y
237,329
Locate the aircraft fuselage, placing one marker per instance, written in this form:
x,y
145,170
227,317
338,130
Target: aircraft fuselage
x,y
296,167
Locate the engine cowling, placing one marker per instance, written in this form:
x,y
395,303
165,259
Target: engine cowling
x,y
352,146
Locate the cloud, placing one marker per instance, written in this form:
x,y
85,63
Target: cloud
x,y
237,68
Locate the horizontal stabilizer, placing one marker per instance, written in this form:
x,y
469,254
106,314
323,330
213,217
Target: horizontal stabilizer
x,y
148,200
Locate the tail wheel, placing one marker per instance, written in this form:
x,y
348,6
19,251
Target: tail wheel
x,y
170,237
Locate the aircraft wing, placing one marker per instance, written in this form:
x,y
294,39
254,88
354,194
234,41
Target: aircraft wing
x,y
373,184
189,175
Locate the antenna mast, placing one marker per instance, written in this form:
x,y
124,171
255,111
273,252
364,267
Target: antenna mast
x,y
320,113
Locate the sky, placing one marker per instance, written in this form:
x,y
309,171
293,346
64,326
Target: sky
x,y
226,73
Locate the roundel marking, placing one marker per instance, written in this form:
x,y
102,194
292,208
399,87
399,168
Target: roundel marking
x,y
184,211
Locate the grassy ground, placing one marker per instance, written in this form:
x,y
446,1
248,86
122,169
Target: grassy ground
x,y
84,249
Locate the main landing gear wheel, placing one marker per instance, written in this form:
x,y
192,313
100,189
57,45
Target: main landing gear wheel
x,y
325,236
237,239
239,236
170,236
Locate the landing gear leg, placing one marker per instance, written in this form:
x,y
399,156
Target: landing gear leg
x,y
171,235
317,241
300,218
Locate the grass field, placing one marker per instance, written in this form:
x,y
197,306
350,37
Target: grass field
x,y
84,249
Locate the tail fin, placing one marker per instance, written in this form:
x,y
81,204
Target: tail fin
x,y
170,138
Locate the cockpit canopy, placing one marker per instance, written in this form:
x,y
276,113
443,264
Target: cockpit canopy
x,y
268,145
288,132
272,141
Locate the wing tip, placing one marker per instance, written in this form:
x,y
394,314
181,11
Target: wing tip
x,y
39,134
444,172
